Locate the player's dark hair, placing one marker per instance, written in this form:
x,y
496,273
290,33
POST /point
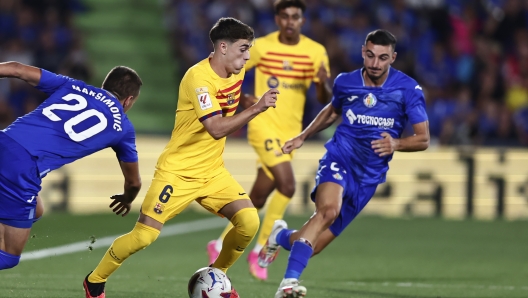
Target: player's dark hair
x,y
381,37
283,4
123,82
231,30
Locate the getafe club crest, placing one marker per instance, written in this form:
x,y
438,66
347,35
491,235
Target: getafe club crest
x,y
370,100
337,176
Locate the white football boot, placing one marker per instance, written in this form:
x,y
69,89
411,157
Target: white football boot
x,y
269,252
290,288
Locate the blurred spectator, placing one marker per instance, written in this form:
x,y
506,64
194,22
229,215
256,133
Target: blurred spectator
x,y
39,33
471,57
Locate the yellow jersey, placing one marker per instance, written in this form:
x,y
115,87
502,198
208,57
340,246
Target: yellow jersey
x,y
289,68
192,152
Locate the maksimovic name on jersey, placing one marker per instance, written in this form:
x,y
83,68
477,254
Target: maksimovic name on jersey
x,y
108,102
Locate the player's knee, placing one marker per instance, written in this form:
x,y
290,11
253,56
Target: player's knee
x,y
246,222
144,235
328,215
258,200
286,188
8,260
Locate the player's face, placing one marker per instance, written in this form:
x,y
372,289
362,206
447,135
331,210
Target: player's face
x,y
236,55
290,21
377,59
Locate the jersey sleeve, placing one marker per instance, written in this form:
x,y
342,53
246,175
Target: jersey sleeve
x,y
336,98
254,56
321,58
201,94
126,148
415,105
50,82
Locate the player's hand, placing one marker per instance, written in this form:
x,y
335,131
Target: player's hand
x,y
120,204
322,74
267,100
385,146
292,144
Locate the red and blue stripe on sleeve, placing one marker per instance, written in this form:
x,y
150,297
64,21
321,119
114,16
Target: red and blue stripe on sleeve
x,y
203,118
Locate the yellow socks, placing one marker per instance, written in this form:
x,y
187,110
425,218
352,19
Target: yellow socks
x,y
225,231
276,208
246,223
123,247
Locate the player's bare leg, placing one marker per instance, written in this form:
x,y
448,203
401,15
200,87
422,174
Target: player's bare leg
x,y
262,188
39,210
12,242
328,201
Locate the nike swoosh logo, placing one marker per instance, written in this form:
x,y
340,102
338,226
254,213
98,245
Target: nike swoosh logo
x,y
241,193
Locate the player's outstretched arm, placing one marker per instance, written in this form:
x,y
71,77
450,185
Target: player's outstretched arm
x,y
219,127
417,142
122,202
325,118
21,71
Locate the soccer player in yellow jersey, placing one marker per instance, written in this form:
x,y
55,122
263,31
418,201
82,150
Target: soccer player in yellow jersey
x,y
290,62
191,167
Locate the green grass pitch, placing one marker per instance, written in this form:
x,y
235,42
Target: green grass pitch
x,y
374,258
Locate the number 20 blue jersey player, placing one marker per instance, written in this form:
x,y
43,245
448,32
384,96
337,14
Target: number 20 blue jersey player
x,y
375,103
76,120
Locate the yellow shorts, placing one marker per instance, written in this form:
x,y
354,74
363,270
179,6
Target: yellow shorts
x,y
268,146
169,194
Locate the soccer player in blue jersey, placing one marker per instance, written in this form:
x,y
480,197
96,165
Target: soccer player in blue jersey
x,y
375,103
76,120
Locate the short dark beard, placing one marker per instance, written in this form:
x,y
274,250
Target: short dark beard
x,y
375,78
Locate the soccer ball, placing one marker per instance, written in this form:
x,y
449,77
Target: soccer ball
x,y
209,282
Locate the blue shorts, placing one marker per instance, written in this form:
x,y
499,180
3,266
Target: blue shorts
x,y
19,184
356,195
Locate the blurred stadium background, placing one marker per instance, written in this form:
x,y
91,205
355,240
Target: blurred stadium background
x,y
470,57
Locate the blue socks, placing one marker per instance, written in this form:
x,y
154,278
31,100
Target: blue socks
x,y
8,260
283,239
300,253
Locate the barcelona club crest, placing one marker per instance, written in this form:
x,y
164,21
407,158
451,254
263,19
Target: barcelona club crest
x,y
159,208
370,100
231,98
287,65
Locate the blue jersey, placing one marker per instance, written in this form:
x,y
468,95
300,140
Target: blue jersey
x,y
75,121
366,113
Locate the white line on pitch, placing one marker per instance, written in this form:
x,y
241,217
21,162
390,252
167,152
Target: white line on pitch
x,y
425,285
169,230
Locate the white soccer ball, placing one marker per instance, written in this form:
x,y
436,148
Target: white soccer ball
x,y
209,282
